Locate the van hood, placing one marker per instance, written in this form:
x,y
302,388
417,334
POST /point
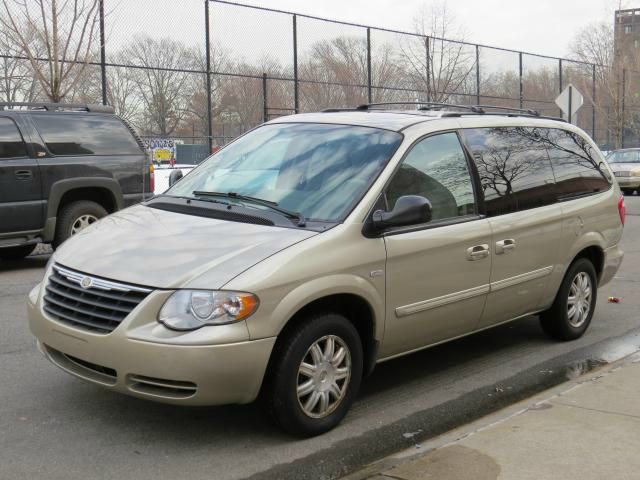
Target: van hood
x,y
161,249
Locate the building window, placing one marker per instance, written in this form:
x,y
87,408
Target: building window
x,y
627,29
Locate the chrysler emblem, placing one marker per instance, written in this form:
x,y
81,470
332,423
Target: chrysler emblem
x,y
86,282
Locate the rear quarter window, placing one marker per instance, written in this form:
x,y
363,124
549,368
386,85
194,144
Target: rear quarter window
x,y
578,169
70,134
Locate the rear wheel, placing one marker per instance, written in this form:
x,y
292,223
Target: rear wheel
x,y
315,375
571,312
75,217
16,253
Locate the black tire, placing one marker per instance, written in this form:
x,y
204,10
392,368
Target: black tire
x,y
628,191
16,253
280,395
556,322
72,212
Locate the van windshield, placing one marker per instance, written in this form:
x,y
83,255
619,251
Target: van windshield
x,y
318,170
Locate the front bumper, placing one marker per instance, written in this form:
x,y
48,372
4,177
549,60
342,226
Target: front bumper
x,y
628,182
126,361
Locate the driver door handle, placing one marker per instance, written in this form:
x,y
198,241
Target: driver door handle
x,y
505,246
23,174
477,252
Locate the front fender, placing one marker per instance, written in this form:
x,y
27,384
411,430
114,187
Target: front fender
x,y
315,289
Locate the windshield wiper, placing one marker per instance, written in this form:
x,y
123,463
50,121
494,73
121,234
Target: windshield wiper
x,y
188,199
266,203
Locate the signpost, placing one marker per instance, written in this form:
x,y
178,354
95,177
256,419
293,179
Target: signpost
x,y
569,101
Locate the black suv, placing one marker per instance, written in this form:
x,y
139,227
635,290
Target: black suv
x,y
62,167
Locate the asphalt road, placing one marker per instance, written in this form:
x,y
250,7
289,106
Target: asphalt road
x,y
54,426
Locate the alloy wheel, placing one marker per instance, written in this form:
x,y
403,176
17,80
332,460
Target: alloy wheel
x,y
579,301
323,376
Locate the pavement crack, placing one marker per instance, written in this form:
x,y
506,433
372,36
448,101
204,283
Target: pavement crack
x,y
637,417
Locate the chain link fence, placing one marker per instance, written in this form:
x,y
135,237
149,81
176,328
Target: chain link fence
x,y
206,71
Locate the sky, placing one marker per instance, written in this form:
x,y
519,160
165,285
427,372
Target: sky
x,y
539,26
544,27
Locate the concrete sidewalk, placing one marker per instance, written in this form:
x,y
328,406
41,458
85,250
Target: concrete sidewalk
x,y
586,429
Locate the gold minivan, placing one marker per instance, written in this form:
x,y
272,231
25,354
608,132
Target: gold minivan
x,y
317,245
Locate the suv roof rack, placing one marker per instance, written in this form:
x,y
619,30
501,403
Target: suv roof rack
x,y
57,107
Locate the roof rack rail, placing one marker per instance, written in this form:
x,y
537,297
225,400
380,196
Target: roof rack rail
x,y
527,111
472,109
57,107
422,105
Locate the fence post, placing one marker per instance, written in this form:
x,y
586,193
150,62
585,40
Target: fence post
x,y
369,90
428,66
521,85
103,59
593,102
477,75
265,107
208,76
296,97
560,81
624,89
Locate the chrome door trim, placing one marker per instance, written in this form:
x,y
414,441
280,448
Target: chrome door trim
x,y
436,302
441,301
525,277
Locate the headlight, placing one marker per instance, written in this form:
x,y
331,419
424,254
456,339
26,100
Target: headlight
x,y
192,309
635,173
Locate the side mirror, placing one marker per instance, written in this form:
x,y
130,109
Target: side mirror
x,y
408,210
174,176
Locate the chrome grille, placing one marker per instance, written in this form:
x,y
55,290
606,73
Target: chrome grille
x,y
622,173
88,302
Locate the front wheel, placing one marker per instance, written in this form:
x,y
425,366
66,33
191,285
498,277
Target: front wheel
x,y
75,217
315,375
571,312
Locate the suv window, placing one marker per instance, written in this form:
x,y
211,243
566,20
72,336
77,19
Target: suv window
x,y
69,134
435,168
515,172
575,165
11,143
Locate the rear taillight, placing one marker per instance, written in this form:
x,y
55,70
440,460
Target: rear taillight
x,y
621,209
152,178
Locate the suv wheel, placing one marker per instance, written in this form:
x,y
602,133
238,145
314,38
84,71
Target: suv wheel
x,y
315,375
571,312
16,253
76,216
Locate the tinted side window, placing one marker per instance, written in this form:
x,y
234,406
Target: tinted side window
x,y
575,165
11,143
70,134
515,172
435,168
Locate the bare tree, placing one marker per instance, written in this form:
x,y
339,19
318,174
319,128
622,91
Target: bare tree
x,y
163,85
16,78
66,30
439,66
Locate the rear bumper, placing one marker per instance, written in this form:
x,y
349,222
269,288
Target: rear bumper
x,y
612,259
164,372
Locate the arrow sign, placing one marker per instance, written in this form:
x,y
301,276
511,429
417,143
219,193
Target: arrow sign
x,y
569,101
